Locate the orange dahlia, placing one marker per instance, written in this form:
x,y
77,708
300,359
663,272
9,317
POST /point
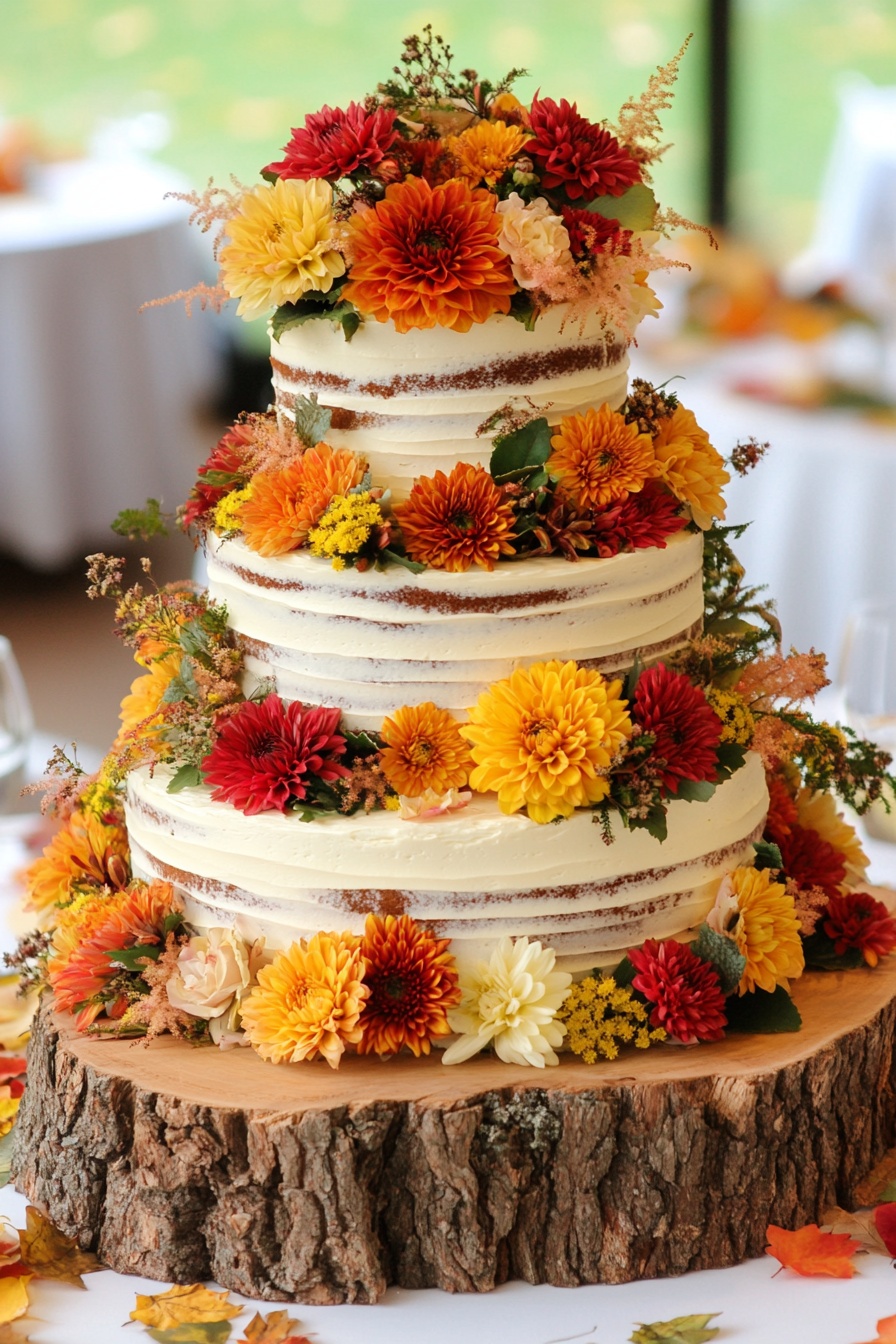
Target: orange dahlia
x,y
687,463
140,709
86,851
424,750
452,522
308,1001
413,982
429,256
484,152
283,506
544,739
599,457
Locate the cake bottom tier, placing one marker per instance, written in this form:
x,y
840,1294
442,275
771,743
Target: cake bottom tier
x,y
183,1163
473,876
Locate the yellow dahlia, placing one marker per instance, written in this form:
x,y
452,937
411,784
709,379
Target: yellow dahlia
x,y
283,506
687,463
87,850
141,708
308,1001
767,931
280,245
485,151
424,750
544,739
598,457
818,812
452,522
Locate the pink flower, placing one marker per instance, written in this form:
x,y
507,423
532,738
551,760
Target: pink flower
x,y
268,753
334,143
686,727
685,991
575,155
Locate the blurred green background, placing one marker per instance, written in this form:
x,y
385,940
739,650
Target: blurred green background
x,y
233,76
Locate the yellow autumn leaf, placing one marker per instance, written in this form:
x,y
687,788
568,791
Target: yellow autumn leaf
x,y
10,1335
13,1298
8,1109
184,1303
50,1254
274,1328
16,1012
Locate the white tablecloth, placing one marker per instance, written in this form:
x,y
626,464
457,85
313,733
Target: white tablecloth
x,y
98,401
821,506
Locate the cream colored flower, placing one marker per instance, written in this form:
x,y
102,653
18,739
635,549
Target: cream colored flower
x,y
531,236
211,971
432,804
511,1000
280,245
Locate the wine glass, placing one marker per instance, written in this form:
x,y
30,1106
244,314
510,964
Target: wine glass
x,y
869,685
16,727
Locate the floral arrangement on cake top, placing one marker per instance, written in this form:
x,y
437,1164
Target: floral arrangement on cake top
x,y
440,200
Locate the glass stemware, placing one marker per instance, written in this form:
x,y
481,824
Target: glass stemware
x,y
16,728
869,687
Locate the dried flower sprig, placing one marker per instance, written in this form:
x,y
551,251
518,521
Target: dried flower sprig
x,y
424,75
639,125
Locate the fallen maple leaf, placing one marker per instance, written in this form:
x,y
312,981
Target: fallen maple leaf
x,y
11,1066
10,1335
184,1304
13,1298
50,1254
885,1223
857,1225
194,1332
274,1328
810,1251
886,1331
680,1330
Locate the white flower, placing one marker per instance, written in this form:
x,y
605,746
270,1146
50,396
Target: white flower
x,y
510,1000
725,918
211,973
532,237
431,804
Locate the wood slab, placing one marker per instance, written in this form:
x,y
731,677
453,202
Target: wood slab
x,y
300,1183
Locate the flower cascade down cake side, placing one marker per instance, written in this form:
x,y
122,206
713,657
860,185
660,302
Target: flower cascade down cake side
x,y
478,738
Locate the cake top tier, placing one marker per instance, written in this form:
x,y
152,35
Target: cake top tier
x,y
441,200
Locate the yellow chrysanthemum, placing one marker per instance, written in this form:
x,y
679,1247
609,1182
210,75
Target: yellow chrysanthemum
x,y
485,151
818,812
141,707
308,1001
424,750
598,457
689,465
544,739
80,853
280,245
767,931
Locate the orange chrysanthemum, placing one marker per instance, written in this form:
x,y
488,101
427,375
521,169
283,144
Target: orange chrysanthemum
x,y
485,151
687,463
599,457
86,851
140,710
429,256
283,506
424,750
80,967
308,1002
452,522
544,739
413,982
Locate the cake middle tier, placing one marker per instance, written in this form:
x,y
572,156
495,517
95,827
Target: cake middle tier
x,y
368,643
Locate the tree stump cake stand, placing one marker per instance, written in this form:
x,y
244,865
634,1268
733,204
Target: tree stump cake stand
x,y
299,1183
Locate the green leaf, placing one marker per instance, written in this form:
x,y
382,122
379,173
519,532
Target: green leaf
x,y
680,1330
360,742
635,209
722,952
187,777
654,823
624,973
821,955
521,450
141,523
5,1157
310,309
193,638
312,421
767,855
695,790
194,1332
132,958
886,1196
731,756
404,560
523,309
762,1013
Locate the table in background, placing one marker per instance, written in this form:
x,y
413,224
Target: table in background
x,y
98,401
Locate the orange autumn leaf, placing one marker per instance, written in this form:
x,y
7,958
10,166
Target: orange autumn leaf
x,y
886,1332
11,1066
810,1251
50,1254
274,1328
184,1304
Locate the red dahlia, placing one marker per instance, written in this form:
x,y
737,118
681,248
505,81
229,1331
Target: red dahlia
x,y
413,982
685,991
590,233
268,753
574,154
686,728
225,470
858,920
649,516
781,809
334,143
811,861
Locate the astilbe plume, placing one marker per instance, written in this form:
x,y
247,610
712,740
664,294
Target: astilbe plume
x,y
639,126
212,208
591,233
809,904
154,1013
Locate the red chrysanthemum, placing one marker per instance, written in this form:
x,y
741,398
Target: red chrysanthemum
x,y
649,517
268,753
685,991
858,920
334,143
454,521
223,471
605,533
782,814
574,154
591,233
686,727
811,861
413,982
429,256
